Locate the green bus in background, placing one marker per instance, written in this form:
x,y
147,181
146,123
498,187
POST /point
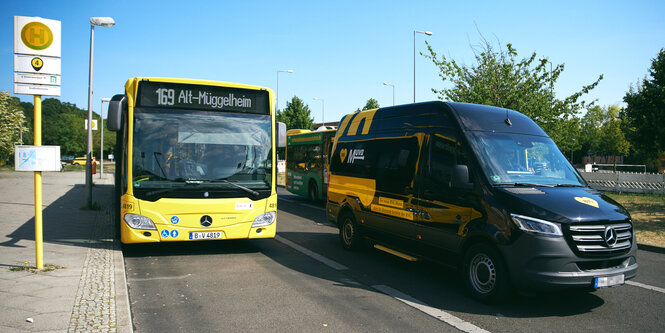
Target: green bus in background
x,y
307,162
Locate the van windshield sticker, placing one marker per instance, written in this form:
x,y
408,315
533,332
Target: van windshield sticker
x,y
496,178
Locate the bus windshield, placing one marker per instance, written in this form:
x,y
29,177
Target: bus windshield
x,y
518,159
218,152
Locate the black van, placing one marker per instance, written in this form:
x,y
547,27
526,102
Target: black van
x,y
481,187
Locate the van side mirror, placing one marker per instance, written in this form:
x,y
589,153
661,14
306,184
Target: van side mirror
x,y
117,106
281,135
460,177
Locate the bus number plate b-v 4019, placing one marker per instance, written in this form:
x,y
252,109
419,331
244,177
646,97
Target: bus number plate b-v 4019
x,y
206,235
608,281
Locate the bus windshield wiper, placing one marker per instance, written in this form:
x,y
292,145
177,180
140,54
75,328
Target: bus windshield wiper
x,y
248,190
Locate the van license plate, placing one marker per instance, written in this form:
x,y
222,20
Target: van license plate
x,y
206,235
608,281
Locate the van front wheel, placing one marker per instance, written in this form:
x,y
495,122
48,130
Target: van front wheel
x,y
348,232
485,274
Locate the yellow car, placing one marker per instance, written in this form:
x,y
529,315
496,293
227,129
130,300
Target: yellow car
x,y
81,161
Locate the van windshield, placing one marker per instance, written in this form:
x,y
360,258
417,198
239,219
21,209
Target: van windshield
x,y
518,159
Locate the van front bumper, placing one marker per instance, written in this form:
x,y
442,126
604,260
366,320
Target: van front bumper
x,y
538,262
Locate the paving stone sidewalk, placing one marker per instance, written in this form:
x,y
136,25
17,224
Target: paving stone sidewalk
x,y
86,292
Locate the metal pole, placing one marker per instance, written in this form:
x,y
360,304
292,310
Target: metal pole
x,y
323,110
101,144
393,94
88,158
414,66
277,93
39,236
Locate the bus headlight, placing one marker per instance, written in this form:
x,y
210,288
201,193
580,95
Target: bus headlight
x,y
136,221
537,226
264,219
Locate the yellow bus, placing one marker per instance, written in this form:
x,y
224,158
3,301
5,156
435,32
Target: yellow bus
x,y
195,160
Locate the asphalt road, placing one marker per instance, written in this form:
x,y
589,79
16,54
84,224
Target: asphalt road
x,y
303,281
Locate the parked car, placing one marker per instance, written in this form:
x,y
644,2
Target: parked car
x,y
81,161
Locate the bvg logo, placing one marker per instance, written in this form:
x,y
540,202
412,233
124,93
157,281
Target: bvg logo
x,y
37,36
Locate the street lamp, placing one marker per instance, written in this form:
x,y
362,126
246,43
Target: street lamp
x,y
101,135
277,93
428,33
102,22
323,107
392,85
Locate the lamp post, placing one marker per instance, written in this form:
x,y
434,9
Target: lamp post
x,y
102,22
101,136
428,33
392,85
277,93
323,107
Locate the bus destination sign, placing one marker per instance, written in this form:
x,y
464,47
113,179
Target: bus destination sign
x,y
209,98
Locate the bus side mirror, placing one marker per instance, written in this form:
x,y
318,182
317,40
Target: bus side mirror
x,y
460,177
117,106
281,135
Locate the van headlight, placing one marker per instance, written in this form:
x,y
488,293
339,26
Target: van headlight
x,y
136,221
537,226
264,219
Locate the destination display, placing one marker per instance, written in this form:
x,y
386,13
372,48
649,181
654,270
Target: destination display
x,y
209,98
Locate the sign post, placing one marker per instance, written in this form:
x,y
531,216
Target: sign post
x,y
37,54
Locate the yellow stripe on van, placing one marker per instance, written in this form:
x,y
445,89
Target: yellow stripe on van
x,y
368,116
363,189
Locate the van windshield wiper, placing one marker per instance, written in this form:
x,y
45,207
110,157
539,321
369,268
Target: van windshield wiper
x,y
568,185
523,184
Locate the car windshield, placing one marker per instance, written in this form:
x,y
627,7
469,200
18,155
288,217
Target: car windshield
x,y
213,150
517,159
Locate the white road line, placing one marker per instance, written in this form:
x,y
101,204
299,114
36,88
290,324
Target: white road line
x,y
645,286
330,263
434,312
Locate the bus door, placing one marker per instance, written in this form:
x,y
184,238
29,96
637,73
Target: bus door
x,y
442,210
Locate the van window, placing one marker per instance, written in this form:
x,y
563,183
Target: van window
x,y
392,162
444,153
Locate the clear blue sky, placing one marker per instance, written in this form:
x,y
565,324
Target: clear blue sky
x,y
341,51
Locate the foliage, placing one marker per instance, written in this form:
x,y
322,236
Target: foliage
x,y
601,132
645,111
371,104
63,124
296,114
12,123
498,78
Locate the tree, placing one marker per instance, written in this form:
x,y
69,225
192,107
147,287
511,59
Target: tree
x,y
601,132
296,114
645,112
12,123
498,78
371,104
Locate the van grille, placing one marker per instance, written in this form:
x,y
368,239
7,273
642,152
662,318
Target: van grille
x,y
600,239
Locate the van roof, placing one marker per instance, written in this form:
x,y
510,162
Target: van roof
x,y
470,117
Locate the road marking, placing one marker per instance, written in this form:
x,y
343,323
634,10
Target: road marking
x,y
330,263
434,312
161,278
645,286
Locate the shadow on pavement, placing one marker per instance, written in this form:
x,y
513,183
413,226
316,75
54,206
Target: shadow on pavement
x,y
64,222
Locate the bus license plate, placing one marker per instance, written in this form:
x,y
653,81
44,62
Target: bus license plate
x,y
608,281
206,235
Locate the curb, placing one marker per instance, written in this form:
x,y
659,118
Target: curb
x,y
651,248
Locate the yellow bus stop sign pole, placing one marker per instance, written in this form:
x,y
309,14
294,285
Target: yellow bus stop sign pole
x,y
39,246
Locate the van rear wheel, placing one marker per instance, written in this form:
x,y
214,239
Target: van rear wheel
x,y
485,274
348,232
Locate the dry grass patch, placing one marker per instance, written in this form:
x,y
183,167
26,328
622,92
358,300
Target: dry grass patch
x,y
648,212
